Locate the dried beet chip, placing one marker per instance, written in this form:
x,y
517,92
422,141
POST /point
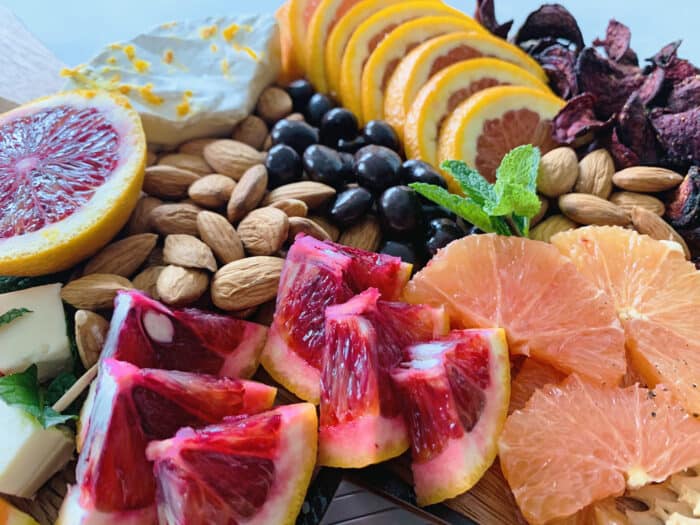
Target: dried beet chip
x,y
617,43
551,21
666,54
559,63
611,83
486,15
679,69
685,95
652,86
635,130
679,135
576,123
623,156
683,209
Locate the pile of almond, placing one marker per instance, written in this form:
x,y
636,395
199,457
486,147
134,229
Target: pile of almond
x,y
593,192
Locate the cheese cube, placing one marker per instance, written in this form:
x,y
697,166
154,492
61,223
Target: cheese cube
x,y
38,337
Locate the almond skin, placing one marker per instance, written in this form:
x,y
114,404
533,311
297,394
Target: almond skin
x,y
589,209
248,193
274,104
292,207
232,158
252,130
195,146
169,219
189,252
647,179
90,334
628,200
558,172
330,228
186,161
220,236
365,235
140,220
549,227
246,283
595,174
263,231
212,191
123,257
146,281
313,194
168,182
179,286
95,291
299,225
648,223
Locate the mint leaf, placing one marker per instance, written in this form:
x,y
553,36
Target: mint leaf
x,y
473,184
59,386
516,184
13,314
465,208
51,418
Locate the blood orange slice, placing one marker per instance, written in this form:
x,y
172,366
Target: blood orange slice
x,y
133,406
532,376
361,421
318,274
247,469
578,443
446,90
71,168
654,289
548,309
485,127
455,394
438,53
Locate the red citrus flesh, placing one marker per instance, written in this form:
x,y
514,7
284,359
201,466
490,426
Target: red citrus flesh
x,y
361,422
318,274
148,334
454,393
247,469
133,406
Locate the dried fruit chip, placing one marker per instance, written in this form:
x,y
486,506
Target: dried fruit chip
x,y
667,53
486,15
685,95
559,62
617,43
551,21
635,130
679,134
652,85
684,208
577,121
677,69
624,157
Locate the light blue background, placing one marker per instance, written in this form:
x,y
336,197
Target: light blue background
x,y
76,29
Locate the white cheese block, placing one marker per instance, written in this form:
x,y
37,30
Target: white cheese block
x,y
189,79
38,337
29,454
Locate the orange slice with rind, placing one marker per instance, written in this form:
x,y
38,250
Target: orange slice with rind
x,y
300,14
438,53
492,122
448,89
290,69
71,171
370,33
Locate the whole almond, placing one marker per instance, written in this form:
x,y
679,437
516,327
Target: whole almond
x,y
299,225
292,207
267,144
155,258
186,161
274,104
195,146
95,291
151,158
140,220
90,334
179,286
365,235
595,174
232,158
314,194
220,236
246,283
295,117
589,209
647,179
189,252
252,130
263,231
558,172
212,191
649,223
168,219
168,182
549,227
248,193
330,228
146,281
123,257
628,200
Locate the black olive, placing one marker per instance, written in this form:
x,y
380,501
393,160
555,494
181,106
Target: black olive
x,y
380,133
419,171
337,124
400,249
295,134
348,167
325,165
441,233
377,168
399,210
283,166
317,107
351,146
351,206
300,91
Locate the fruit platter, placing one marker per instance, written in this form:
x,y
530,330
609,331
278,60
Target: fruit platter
x,y
383,238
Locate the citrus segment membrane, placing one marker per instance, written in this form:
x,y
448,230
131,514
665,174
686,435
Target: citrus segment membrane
x,y
548,310
578,443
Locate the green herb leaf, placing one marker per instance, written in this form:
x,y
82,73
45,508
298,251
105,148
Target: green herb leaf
x,y
59,386
467,209
13,314
516,184
476,187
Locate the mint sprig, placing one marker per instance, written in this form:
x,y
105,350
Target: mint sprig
x,y
11,315
505,207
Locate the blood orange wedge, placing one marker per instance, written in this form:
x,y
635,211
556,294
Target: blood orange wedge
x,y
578,443
532,376
9,515
131,407
318,274
446,90
71,168
485,127
454,393
548,309
383,61
654,290
370,33
432,56
361,421
290,67
247,469
148,334
300,14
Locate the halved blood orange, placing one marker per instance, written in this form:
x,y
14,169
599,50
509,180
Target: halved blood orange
x,y
436,54
578,443
290,67
322,23
548,309
446,90
454,392
383,61
492,122
370,33
341,34
71,168
532,376
654,290
300,14
246,469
